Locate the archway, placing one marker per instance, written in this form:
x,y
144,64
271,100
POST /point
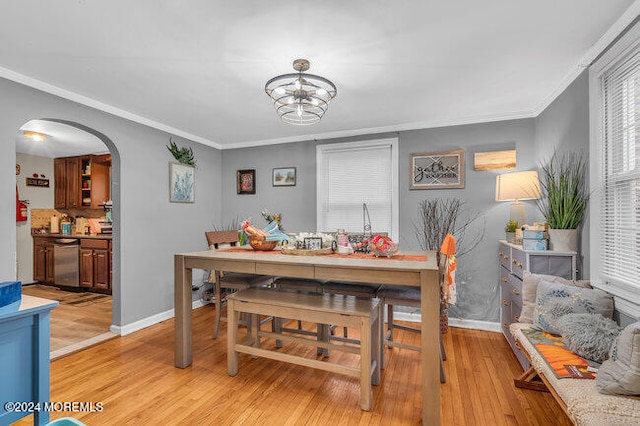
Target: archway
x,y
115,197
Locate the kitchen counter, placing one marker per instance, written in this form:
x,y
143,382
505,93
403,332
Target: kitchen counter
x,y
79,236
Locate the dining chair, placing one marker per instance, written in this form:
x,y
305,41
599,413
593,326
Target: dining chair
x,y
230,281
391,296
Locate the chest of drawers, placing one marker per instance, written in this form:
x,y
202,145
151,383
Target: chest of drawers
x,y
513,262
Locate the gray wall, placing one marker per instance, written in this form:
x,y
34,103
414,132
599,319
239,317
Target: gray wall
x,y
564,127
151,228
477,272
39,198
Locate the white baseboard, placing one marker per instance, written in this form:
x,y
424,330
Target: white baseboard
x,y
400,316
453,322
149,321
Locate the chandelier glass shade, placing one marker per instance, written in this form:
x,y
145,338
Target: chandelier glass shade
x,y
300,98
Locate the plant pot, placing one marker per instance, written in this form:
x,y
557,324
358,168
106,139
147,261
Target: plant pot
x,y
563,239
510,237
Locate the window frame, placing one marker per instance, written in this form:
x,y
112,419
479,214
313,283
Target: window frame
x,y
395,198
627,297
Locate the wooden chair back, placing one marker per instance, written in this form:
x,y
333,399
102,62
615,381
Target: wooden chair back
x,y
215,238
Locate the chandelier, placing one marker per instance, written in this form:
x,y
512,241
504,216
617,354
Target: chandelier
x,y
300,98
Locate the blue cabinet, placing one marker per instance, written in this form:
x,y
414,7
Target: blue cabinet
x,y
24,356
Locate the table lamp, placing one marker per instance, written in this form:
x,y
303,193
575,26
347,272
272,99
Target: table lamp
x,y
517,186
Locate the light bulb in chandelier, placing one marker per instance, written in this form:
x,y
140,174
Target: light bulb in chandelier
x,y
300,98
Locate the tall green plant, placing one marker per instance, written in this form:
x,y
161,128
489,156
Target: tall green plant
x,y
564,190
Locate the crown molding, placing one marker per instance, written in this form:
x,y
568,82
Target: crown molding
x,y
101,106
594,52
383,129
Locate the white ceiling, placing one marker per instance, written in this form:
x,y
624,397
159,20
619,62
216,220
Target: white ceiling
x,y
198,68
62,140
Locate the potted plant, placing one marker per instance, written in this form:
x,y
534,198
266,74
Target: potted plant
x,y
564,198
510,231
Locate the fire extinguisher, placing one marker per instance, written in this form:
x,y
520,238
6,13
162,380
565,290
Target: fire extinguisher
x,y
21,209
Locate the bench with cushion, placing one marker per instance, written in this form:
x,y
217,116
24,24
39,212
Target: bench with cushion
x,y
579,398
570,323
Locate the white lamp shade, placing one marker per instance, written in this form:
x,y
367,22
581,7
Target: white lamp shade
x,y
517,186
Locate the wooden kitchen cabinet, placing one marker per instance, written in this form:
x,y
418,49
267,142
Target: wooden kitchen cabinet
x,y
95,264
67,182
43,260
60,183
82,182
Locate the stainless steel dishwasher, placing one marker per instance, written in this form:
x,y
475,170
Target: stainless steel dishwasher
x,y
66,261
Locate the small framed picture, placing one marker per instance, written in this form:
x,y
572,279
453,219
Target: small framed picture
x,y
246,181
313,243
284,176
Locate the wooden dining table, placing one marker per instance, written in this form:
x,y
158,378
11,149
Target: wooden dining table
x,y
407,269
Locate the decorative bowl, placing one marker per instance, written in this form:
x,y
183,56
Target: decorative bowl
x,y
261,244
388,252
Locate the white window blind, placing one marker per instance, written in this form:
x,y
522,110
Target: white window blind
x,y
352,174
620,174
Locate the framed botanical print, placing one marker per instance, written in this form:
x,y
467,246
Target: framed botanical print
x,y
181,183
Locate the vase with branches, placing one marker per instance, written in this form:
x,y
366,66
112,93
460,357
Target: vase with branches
x,y
439,217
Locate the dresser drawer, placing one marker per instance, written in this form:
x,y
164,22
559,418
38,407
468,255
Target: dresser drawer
x,y
516,309
515,287
518,262
504,255
561,266
505,321
504,276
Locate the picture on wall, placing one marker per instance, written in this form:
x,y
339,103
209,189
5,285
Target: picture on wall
x,y
495,160
246,181
284,176
437,170
181,183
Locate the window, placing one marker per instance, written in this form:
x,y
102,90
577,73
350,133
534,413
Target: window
x,y
352,174
615,169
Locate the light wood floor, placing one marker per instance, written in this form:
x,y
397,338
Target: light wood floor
x,y
78,317
133,376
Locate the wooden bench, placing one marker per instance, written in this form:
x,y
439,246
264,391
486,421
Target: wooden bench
x,y
345,311
579,398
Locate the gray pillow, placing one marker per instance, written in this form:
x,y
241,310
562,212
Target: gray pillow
x,y
555,300
588,335
620,374
530,286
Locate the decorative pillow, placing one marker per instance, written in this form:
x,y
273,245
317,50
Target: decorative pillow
x,y
587,335
555,300
530,286
620,374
